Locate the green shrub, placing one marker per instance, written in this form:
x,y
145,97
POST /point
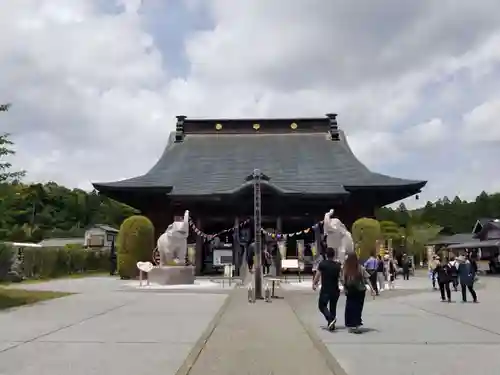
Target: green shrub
x,y
56,262
365,233
6,260
135,243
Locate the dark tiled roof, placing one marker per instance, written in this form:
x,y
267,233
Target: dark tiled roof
x,y
105,228
453,239
482,222
492,225
475,244
485,220
204,164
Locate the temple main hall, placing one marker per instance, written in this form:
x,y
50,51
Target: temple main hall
x,y
308,168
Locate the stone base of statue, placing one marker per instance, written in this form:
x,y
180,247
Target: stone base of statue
x,y
172,275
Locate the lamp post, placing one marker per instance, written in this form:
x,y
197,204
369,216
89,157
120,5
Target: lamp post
x,y
257,220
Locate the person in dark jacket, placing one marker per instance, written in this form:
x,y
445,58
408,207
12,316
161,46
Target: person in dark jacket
x,y
454,272
250,256
466,277
266,259
380,273
473,263
328,273
112,258
443,273
405,265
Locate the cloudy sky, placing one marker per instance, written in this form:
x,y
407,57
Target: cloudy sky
x,y
96,84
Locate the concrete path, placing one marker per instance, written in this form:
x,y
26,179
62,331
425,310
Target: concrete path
x,y
415,333
104,331
257,339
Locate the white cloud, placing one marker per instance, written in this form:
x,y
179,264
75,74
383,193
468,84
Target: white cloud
x,y
482,124
94,98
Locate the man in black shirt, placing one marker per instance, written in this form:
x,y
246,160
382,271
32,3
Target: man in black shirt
x,y
329,273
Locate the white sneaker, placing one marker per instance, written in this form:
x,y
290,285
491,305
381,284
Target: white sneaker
x,y
331,325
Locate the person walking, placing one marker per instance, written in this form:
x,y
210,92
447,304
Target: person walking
x,y
112,258
466,278
406,267
443,273
371,267
454,272
250,256
266,259
355,278
380,273
328,273
390,270
432,268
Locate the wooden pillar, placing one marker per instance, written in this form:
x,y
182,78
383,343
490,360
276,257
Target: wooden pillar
x,y
236,246
279,224
161,219
277,259
199,249
318,235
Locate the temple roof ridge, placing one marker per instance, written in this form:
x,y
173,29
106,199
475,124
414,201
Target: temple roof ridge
x,y
309,162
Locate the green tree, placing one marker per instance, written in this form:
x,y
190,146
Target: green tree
x,y
457,215
365,233
393,232
31,212
6,150
419,236
403,215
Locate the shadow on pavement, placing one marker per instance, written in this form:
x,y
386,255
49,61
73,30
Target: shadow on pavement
x,y
343,328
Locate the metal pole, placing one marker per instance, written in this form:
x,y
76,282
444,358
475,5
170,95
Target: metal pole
x,y
257,219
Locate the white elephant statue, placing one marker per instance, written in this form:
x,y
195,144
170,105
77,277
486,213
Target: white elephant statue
x,y
172,245
337,236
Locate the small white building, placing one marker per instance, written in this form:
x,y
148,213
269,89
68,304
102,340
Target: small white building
x,y
100,235
61,242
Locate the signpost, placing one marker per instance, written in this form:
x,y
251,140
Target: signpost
x,y
156,256
258,233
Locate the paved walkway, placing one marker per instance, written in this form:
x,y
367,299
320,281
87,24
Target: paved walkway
x,y
415,334
105,330
257,339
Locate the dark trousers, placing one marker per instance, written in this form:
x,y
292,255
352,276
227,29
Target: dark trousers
x,y
373,280
471,290
327,304
113,264
354,303
267,268
406,274
445,287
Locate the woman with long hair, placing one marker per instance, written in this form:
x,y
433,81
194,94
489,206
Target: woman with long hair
x,y
355,279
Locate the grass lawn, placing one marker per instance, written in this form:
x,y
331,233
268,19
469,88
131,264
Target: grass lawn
x,y
71,276
18,297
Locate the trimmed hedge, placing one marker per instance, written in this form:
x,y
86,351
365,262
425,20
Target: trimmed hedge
x,y
135,243
6,260
42,263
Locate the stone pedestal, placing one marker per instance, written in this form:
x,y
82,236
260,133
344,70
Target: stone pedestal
x,y
172,275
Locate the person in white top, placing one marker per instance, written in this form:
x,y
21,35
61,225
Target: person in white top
x,y
454,272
